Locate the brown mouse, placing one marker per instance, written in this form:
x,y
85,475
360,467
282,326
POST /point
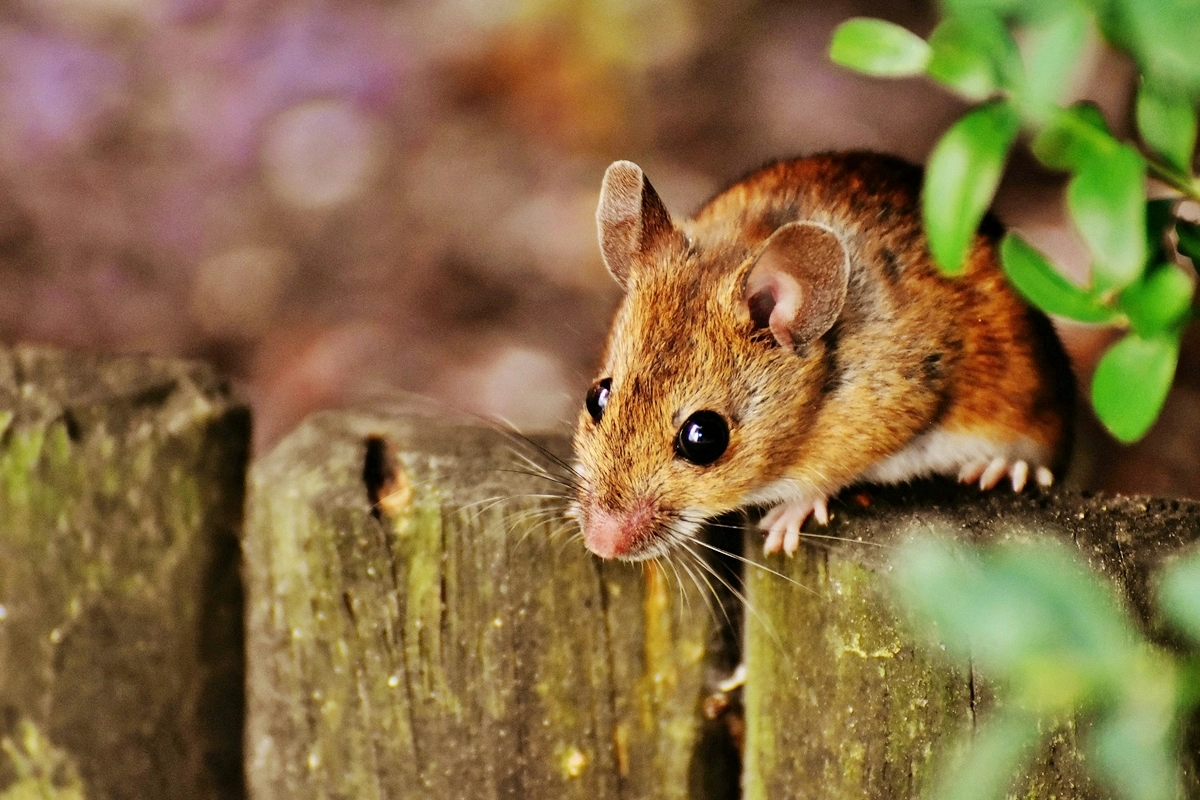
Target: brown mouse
x,y
795,337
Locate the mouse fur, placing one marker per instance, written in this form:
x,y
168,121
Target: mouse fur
x,y
879,369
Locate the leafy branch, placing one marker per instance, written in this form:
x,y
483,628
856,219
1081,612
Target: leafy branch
x,y
1139,282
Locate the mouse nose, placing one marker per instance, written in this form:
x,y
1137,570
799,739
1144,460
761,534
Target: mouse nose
x,y
617,534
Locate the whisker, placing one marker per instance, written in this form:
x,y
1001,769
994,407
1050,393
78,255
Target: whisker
x,y
503,427
696,582
683,599
543,476
757,565
547,521
711,598
741,597
803,534
515,435
832,538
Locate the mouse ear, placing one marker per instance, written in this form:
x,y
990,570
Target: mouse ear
x,y
797,285
631,219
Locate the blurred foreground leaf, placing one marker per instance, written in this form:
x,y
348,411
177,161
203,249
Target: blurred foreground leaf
x,y
1159,301
1028,614
1107,200
1052,51
995,756
1134,746
1041,284
1073,137
1167,123
1163,36
975,56
1131,383
964,169
1179,595
880,48
1052,638
1022,9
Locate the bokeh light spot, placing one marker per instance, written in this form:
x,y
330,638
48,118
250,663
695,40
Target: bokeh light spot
x,y
320,154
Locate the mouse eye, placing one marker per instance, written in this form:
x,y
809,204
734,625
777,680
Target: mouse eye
x,y
702,438
597,398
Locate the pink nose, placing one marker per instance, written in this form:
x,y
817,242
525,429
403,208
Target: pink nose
x,y
619,534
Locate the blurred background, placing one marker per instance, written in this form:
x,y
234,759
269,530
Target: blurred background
x,y
331,199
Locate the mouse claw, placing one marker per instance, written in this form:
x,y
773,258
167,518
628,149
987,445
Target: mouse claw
x,y
970,472
988,474
1044,477
821,512
783,522
1019,473
994,472
791,539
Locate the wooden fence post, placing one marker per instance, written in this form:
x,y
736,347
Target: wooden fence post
x,y
453,640
841,702
121,488
456,644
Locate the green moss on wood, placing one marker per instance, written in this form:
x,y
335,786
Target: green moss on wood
x,y
43,771
843,700
119,513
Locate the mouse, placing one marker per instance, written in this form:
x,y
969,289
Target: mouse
x,y
792,338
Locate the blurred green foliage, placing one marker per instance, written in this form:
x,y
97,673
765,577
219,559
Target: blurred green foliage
x,y
1053,638
1136,244
43,772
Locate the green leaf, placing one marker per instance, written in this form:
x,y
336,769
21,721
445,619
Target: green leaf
x,y
964,170
1041,284
1024,11
991,761
1135,747
1189,240
1086,628
1053,51
938,583
1179,595
1107,201
877,47
1074,137
1131,382
1029,615
1167,123
1162,36
1159,301
975,56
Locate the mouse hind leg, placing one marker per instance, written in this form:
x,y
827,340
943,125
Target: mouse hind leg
x,y
984,456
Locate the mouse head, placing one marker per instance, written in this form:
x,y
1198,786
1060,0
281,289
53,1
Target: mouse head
x,y
712,372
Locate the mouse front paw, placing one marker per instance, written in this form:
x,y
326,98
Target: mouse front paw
x,y
783,522
989,473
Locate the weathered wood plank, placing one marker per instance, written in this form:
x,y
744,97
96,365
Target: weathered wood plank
x,y
840,700
453,646
121,488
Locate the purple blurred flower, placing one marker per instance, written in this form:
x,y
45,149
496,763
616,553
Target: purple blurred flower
x,y
226,87
55,93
